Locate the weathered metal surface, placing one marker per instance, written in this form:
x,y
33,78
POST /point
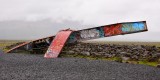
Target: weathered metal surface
x,y
57,44
124,28
14,48
108,30
29,46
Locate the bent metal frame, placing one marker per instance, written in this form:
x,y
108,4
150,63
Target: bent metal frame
x,y
53,45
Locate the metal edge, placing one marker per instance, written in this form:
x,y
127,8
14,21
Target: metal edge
x,y
25,43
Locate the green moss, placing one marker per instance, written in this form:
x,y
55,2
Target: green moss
x,y
148,63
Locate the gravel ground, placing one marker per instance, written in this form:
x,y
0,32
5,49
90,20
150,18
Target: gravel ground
x,y
26,66
1,52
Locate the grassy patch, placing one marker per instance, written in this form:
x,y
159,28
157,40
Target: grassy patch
x,y
4,43
148,63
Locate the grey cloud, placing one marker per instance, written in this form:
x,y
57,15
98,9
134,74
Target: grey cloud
x,y
34,30
32,19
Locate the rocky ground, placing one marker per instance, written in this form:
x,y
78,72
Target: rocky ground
x,y
126,52
14,66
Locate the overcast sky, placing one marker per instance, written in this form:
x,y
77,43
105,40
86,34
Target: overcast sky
x,y
32,19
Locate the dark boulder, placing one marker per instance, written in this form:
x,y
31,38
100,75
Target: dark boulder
x,y
85,53
96,54
135,57
107,55
125,59
157,55
125,54
158,66
71,52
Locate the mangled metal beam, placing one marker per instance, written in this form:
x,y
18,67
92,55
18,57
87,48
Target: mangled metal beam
x,y
53,45
57,44
108,30
32,45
